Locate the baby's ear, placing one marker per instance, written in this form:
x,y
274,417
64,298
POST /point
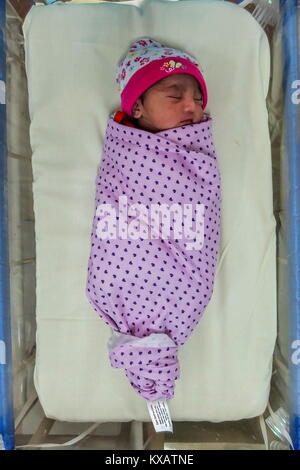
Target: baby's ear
x,y
137,109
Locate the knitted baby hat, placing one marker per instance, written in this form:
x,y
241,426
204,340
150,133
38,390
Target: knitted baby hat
x,y
149,61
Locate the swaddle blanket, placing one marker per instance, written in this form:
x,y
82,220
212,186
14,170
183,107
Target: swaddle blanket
x,y
148,279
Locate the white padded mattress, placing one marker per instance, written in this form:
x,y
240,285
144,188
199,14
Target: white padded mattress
x,y
71,56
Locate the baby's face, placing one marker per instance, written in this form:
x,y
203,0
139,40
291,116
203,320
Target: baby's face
x,y
168,103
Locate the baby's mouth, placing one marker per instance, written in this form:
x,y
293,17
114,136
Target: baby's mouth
x,y
187,121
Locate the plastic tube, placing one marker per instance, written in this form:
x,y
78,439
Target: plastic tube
x,y
289,15
6,398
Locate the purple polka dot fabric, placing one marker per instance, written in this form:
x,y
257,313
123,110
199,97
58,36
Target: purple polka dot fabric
x,y
152,287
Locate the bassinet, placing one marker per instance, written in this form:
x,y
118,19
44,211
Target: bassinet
x,y
227,363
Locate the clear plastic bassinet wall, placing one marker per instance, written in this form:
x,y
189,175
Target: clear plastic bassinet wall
x,y
283,125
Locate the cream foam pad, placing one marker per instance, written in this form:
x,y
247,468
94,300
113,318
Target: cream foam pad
x,y
71,55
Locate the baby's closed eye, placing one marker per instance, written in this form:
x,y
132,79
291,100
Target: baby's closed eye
x,y
179,97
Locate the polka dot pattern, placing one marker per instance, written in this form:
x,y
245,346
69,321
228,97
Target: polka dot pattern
x,y
150,370
154,284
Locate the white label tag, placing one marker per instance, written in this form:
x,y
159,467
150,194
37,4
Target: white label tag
x,y
160,415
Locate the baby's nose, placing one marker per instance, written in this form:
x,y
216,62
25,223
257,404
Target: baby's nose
x,y
189,104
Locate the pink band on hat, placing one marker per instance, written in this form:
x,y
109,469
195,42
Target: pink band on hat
x,y
148,75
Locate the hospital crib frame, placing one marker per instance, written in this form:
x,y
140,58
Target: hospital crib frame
x,y
290,15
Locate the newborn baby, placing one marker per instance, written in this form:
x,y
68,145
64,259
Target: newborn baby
x,y
161,87
156,228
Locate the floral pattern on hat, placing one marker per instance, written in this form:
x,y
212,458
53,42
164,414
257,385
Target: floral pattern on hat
x,y
144,51
172,65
